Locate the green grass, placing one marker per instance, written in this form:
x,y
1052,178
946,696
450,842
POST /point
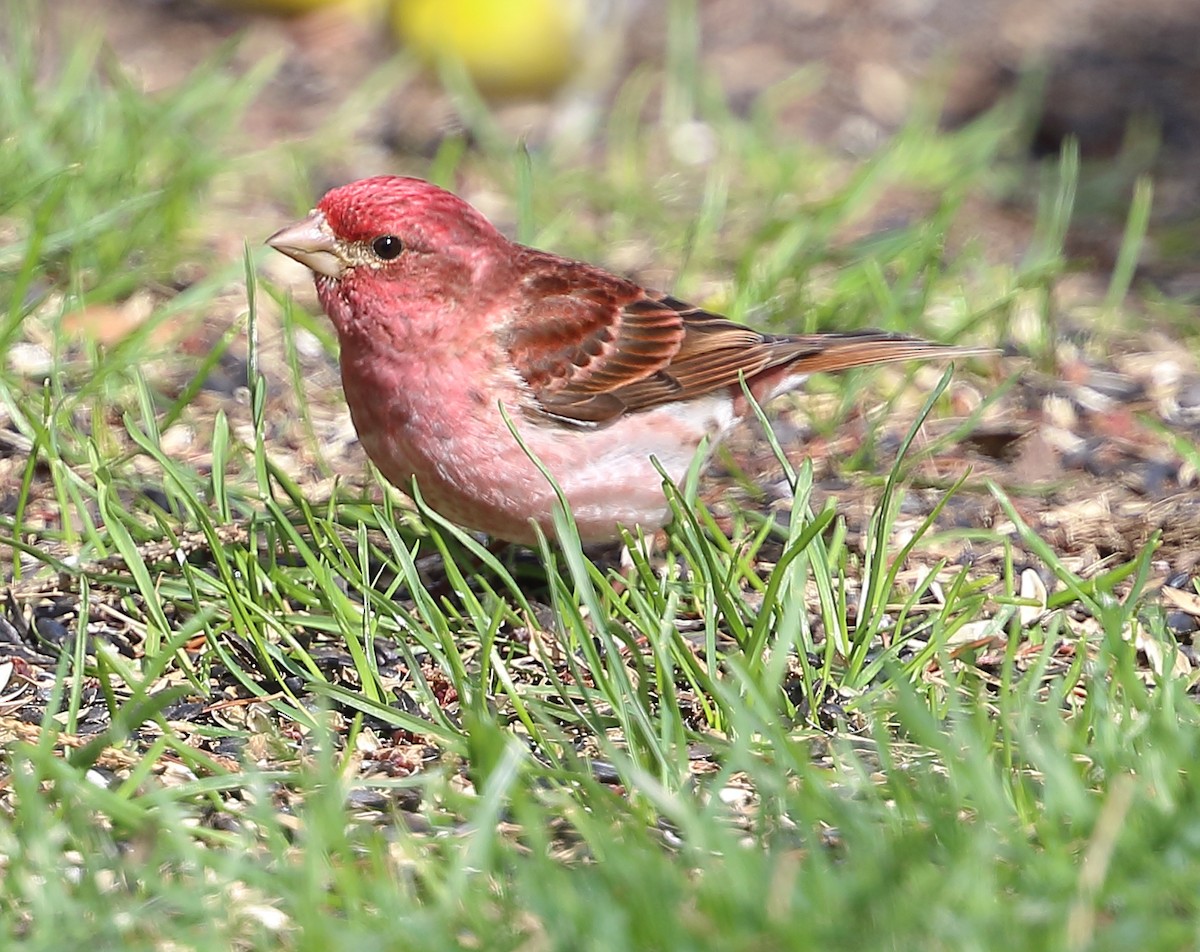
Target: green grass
x,y
281,733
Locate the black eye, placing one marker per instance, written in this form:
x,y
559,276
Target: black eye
x,y
387,247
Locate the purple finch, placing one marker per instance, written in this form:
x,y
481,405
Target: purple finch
x,y
444,322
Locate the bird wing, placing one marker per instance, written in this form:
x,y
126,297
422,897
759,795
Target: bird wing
x,y
581,336
591,346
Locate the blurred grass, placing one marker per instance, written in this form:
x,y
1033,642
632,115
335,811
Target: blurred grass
x,y
685,760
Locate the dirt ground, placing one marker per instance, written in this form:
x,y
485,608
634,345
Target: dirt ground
x,y
1097,453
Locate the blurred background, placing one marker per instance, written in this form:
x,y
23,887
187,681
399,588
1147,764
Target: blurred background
x,y
382,85
1119,80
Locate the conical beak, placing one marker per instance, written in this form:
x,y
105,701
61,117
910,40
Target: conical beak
x,y
312,244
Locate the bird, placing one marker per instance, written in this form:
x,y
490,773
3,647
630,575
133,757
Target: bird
x,y
452,336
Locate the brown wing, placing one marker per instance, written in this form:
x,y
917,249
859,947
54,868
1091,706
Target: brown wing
x,y
591,347
583,335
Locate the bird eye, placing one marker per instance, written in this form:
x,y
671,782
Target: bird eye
x,y
387,247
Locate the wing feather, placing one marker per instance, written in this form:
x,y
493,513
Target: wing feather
x,y
591,346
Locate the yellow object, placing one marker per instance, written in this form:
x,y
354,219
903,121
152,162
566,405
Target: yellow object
x,y
507,47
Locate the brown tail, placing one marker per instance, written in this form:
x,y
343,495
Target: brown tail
x,y
825,353
793,358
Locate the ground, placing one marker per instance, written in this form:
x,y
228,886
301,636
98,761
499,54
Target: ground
x,y
187,487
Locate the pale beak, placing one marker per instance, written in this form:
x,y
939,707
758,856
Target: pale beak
x,y
312,244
